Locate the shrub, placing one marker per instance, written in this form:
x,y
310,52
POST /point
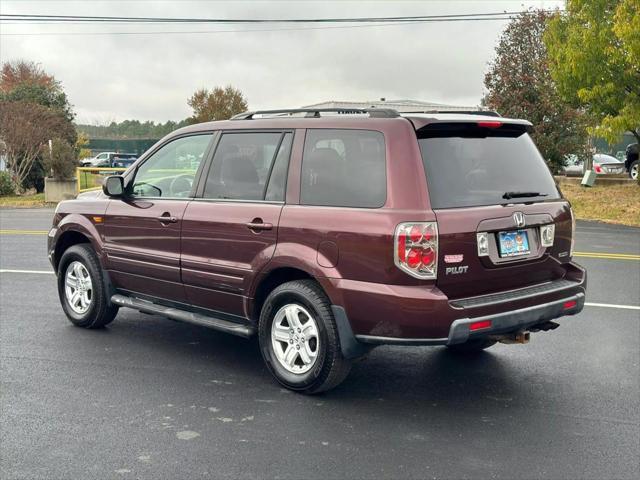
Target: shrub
x,y
61,160
35,178
6,184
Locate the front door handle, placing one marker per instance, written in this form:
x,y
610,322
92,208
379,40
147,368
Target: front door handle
x,y
257,225
167,218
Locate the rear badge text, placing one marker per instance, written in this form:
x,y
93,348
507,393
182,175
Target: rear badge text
x,y
456,270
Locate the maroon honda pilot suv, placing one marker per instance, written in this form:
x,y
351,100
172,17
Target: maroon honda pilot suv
x,y
326,233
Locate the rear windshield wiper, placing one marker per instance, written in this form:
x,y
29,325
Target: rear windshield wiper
x,y
509,195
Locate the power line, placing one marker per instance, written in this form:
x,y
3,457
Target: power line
x,y
360,22
184,32
18,18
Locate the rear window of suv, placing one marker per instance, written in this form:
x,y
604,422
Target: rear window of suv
x,y
467,166
343,168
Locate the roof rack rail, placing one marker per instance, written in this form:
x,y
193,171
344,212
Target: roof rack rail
x,y
488,113
315,112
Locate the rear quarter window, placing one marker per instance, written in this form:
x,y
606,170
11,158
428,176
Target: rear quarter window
x,y
343,168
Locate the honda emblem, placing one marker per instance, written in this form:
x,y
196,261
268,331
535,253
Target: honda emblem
x,y
518,217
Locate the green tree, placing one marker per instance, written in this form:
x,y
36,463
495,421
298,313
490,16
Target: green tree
x,y
519,85
594,52
52,98
60,161
22,81
82,146
217,104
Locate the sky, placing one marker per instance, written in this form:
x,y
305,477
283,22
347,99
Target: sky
x,y
112,77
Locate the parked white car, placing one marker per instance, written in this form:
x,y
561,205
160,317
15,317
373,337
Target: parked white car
x,y
110,159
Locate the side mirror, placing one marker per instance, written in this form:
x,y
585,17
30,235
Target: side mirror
x,y
113,186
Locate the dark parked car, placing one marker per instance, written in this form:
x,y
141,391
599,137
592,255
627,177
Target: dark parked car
x,y
328,233
632,162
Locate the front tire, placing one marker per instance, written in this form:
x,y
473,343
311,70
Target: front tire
x,y
81,288
299,338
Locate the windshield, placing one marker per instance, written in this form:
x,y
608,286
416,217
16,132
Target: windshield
x,y
468,166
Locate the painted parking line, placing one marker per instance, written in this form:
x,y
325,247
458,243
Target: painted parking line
x,y
23,232
611,305
36,272
587,304
607,256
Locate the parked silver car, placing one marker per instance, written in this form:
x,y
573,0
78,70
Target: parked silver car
x,y
603,164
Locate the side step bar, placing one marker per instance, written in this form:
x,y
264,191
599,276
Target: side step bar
x,y
245,331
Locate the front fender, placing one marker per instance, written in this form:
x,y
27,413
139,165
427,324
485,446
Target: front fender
x,y
81,224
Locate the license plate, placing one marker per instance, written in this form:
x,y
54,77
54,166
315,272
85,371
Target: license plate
x,y
513,244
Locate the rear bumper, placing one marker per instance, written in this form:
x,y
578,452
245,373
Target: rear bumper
x,y
401,315
501,323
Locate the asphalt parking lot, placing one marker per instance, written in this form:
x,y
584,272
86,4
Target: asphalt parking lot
x,y
151,398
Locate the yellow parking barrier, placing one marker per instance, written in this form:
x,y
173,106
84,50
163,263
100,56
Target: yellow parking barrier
x,y
90,178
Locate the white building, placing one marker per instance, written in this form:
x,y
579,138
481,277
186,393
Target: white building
x,y
399,105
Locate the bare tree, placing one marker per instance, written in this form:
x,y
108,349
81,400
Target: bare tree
x,y
25,128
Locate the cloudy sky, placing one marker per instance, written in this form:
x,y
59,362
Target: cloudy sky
x,y
149,76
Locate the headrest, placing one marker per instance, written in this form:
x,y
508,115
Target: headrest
x,y
238,168
325,156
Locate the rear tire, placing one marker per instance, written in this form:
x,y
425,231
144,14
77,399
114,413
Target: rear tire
x,y
299,338
82,290
472,346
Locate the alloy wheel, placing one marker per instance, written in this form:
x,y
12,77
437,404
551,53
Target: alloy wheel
x,y
78,287
295,338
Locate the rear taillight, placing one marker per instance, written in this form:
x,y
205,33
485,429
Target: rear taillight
x,y
573,232
416,249
597,168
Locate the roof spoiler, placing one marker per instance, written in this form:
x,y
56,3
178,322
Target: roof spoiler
x,y
479,129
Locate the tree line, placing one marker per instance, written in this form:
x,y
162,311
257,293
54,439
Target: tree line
x,y
219,103
131,129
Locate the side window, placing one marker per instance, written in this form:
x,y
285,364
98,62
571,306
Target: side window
x,y
278,179
343,168
170,171
242,166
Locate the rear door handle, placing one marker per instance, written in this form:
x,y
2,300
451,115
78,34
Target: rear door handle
x,y
258,225
167,218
